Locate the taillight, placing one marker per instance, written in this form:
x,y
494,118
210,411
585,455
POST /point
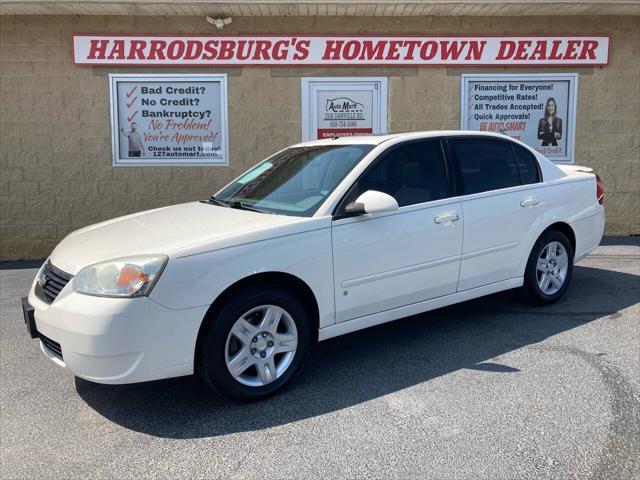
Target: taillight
x,y
599,190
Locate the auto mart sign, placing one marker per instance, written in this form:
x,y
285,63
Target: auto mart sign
x,y
340,50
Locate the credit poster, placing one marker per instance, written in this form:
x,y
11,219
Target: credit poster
x,y
169,119
539,110
344,113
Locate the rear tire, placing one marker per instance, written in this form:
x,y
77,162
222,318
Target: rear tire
x,y
549,269
256,344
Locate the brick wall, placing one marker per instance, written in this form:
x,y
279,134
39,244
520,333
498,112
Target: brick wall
x,y
55,154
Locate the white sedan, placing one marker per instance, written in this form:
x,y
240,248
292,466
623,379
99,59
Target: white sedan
x,y
321,239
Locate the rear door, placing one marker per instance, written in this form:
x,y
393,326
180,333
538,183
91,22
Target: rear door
x,y
502,207
389,260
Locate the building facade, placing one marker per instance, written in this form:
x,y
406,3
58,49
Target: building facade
x,y
57,165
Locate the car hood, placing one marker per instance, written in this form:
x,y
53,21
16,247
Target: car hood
x,y
176,230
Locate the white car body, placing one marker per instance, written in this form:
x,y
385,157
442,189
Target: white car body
x,y
362,271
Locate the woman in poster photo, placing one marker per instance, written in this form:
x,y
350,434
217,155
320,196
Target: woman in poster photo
x,y
550,127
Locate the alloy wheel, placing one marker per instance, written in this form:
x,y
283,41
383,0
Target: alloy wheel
x,y
552,267
261,345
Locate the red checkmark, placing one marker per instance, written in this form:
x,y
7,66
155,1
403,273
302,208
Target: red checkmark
x,y
131,92
129,119
129,104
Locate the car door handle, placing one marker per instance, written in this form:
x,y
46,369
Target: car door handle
x,y
529,202
447,217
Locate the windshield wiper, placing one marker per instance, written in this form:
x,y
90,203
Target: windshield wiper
x,y
235,204
244,206
214,201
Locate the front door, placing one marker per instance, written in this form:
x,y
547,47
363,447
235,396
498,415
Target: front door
x,y
392,259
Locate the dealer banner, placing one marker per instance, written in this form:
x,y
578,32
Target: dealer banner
x,y
537,109
343,50
169,119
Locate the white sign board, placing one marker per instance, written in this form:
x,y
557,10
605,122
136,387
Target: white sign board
x,y
340,50
537,109
343,107
169,119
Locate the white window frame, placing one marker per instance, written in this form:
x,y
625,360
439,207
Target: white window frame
x,y
114,78
570,127
307,107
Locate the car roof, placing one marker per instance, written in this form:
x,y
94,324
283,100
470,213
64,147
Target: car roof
x,y
378,139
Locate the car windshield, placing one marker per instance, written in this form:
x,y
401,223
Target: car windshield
x,y
294,181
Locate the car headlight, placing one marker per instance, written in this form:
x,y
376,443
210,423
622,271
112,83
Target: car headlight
x,y
121,277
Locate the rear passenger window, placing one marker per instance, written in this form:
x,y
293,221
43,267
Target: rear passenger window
x,y
527,165
485,164
412,173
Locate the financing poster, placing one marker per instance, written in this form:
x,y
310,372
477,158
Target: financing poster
x,y
537,109
169,119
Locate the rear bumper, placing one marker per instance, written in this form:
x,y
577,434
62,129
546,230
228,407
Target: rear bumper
x,y
108,340
588,232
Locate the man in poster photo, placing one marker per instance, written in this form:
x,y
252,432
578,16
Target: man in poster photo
x,y
136,147
550,127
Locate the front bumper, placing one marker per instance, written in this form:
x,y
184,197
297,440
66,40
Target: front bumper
x,y
111,340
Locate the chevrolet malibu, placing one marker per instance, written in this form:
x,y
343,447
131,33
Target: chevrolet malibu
x,y
321,239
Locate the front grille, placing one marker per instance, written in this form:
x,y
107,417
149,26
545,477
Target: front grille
x,y
53,347
52,282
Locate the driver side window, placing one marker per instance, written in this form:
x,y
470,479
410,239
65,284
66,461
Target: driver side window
x,y
412,173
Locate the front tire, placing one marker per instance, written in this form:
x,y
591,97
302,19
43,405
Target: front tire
x,y
256,344
549,269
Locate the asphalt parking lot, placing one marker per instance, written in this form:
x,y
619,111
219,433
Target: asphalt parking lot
x,y
491,388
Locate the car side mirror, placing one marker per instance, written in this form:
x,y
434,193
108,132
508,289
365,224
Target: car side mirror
x,y
372,201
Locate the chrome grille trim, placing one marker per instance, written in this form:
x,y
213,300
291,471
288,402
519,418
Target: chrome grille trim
x,y
51,284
